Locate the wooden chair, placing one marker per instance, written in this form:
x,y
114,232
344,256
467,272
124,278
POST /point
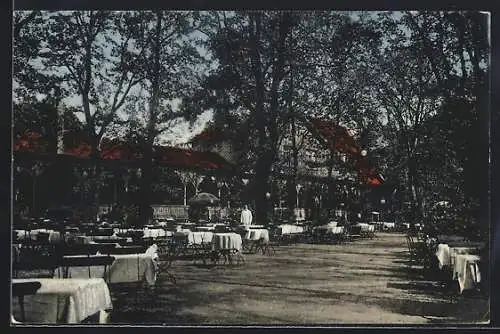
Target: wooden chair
x,y
354,232
22,289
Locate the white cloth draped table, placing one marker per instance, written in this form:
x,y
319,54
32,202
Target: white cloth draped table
x,y
330,229
447,255
444,239
290,229
205,228
154,233
366,227
197,238
54,236
257,234
466,271
226,241
67,301
23,235
251,226
455,251
126,268
443,255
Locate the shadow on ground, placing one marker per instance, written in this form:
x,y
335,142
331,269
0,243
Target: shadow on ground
x,y
360,282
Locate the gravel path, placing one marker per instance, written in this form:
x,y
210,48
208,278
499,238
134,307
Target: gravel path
x,y
360,282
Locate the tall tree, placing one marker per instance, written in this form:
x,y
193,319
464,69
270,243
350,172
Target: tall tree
x,y
433,99
92,54
169,62
250,49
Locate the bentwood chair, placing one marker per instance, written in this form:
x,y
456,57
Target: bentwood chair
x,y
22,289
87,261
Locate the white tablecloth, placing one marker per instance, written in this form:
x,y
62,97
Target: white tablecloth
x,y
366,227
67,301
54,236
466,271
154,233
290,229
455,251
257,234
388,224
251,226
226,241
86,239
22,235
198,238
443,255
446,255
330,229
444,239
205,228
126,268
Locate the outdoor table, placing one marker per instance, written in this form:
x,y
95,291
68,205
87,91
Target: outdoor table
x,y
126,268
226,241
198,238
330,229
466,271
290,229
98,238
252,226
366,227
257,234
443,255
445,239
66,301
446,255
54,236
154,233
388,225
458,250
23,234
205,228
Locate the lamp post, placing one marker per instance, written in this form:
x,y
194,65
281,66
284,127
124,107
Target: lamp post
x,y
382,202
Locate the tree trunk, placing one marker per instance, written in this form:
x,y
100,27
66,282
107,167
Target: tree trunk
x,y
145,212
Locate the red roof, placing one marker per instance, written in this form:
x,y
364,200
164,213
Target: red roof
x,y
77,144
210,134
32,142
340,140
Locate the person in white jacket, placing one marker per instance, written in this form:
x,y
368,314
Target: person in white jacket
x,y
246,216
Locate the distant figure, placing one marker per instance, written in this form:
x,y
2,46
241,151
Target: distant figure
x,y
246,216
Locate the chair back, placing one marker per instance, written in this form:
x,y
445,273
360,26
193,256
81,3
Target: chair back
x,y
129,250
25,288
89,249
355,229
22,289
86,261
